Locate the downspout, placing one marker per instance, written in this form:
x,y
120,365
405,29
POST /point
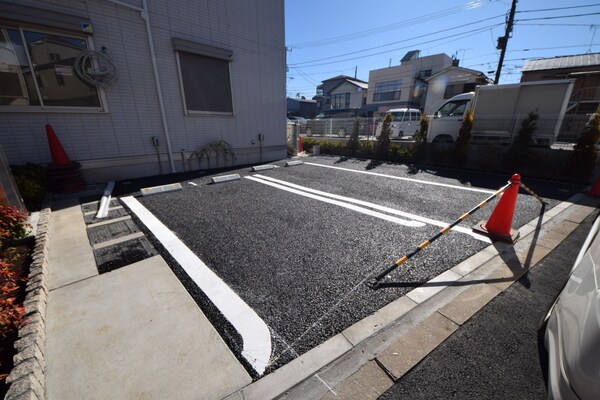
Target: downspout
x,y
145,16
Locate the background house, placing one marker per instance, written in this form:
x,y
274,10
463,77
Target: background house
x,y
348,91
301,107
189,73
450,82
404,85
584,68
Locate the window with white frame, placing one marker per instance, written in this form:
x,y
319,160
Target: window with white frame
x,y
204,77
388,90
37,70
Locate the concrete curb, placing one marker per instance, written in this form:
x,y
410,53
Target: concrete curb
x,y
27,376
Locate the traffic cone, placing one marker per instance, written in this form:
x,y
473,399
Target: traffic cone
x,y
59,156
499,226
595,191
300,150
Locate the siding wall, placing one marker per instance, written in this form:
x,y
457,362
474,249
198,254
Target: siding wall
x,y
406,72
253,29
356,96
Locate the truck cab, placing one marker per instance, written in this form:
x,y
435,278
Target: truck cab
x,y
447,119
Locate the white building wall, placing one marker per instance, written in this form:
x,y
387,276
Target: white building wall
x,y
406,72
356,95
253,29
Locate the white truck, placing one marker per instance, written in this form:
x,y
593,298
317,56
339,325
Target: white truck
x,y
498,111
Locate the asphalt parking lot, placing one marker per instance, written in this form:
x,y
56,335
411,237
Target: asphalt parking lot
x,y
296,244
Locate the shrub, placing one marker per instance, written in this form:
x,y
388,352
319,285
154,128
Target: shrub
x,y
518,154
421,136
31,181
13,224
461,147
354,141
384,141
583,159
11,314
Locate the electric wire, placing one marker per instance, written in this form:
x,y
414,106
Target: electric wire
x,y
385,28
405,40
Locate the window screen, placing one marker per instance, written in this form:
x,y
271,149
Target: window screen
x,y
206,83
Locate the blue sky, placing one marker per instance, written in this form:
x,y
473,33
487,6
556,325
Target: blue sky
x,y
326,38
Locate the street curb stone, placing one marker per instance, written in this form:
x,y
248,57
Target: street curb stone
x,y
27,376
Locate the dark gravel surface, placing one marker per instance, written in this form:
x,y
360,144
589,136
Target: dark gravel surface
x,y
495,354
301,263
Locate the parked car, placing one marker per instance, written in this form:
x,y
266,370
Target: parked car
x,y
297,120
404,124
570,332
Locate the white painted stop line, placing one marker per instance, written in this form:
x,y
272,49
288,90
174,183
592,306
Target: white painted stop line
x,y
253,330
469,189
362,210
374,206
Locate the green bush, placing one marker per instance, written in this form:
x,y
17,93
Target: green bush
x,y
31,182
519,155
582,162
353,142
461,147
384,139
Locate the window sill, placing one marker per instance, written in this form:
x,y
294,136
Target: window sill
x,y
209,114
51,110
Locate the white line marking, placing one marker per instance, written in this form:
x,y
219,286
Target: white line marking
x,y
469,189
253,330
412,224
380,208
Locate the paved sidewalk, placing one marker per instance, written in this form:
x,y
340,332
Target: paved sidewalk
x,y
136,333
132,333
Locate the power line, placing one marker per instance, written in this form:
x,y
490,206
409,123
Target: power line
x,y
404,40
464,34
577,25
557,17
559,8
385,28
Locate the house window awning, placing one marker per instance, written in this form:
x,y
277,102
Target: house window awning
x,y
202,49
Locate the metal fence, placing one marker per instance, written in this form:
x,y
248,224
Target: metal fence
x,y
550,130
337,127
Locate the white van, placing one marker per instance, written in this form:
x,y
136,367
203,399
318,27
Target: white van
x,y
405,123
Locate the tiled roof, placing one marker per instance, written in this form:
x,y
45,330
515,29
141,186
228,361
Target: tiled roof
x,y
580,60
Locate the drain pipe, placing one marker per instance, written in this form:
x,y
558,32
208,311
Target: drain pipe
x,y
145,16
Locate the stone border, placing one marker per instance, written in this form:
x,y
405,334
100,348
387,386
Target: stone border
x,y
26,379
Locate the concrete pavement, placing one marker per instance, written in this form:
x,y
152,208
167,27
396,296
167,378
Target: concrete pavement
x,y
136,333
132,333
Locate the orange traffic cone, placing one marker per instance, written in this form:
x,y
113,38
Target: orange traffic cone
x,y
595,191
59,156
300,150
499,226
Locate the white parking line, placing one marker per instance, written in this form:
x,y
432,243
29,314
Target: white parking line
x,y
469,189
412,224
253,330
374,206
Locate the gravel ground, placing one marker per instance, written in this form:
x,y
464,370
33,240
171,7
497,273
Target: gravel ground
x,y
301,263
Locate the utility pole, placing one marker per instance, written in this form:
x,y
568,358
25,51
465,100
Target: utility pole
x,y
503,40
